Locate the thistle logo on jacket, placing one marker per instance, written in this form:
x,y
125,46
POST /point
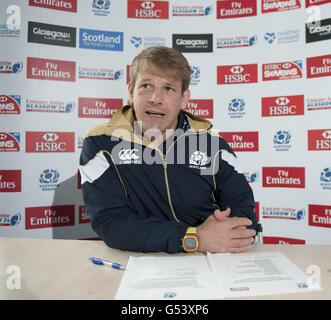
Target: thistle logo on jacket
x,y
50,141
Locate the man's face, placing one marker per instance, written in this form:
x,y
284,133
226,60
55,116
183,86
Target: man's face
x,y
157,99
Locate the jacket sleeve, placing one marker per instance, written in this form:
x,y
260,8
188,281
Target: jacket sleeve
x,y
232,188
112,213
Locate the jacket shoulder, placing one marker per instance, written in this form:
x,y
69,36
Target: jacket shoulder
x,y
97,130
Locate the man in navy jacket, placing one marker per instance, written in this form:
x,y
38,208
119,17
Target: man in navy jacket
x,y
156,178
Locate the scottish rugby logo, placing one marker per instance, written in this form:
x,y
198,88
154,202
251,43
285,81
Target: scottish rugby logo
x,y
282,140
325,178
199,160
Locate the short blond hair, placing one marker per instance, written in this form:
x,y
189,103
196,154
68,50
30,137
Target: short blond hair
x,y
168,60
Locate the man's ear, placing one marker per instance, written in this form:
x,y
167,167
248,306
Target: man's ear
x,y
130,90
186,98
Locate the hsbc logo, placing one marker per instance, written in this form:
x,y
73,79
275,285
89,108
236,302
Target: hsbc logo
x,y
148,5
148,9
282,101
237,69
286,65
50,142
50,137
319,140
237,74
326,134
283,106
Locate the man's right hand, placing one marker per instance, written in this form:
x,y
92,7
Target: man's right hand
x,y
222,233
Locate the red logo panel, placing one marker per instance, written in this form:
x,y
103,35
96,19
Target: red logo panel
x,y
279,5
148,9
235,9
47,217
63,5
10,104
46,69
283,177
282,240
282,70
50,141
319,66
242,141
202,108
237,74
10,180
98,107
283,106
319,216
319,140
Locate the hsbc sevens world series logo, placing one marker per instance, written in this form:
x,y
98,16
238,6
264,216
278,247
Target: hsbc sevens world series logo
x,y
282,70
237,74
50,142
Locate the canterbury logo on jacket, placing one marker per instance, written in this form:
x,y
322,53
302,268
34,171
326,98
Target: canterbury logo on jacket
x,y
143,197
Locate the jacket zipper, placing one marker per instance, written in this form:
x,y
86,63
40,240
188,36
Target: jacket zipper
x,y
168,189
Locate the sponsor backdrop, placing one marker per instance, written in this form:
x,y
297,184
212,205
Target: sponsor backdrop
x,y
261,72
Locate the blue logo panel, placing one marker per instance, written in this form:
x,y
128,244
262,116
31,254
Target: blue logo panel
x,y
100,40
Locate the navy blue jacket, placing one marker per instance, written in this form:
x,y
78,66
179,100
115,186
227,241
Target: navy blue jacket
x,y
142,197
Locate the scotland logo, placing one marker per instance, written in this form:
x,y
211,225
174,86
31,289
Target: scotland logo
x,y
325,178
101,7
49,179
270,37
236,108
195,75
198,160
136,41
282,140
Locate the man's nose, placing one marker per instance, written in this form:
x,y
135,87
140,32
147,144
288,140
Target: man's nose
x,y
156,96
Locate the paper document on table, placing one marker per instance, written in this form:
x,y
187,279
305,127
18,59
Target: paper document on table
x,y
258,273
157,278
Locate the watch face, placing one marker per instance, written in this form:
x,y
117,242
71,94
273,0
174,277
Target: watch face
x,y
190,243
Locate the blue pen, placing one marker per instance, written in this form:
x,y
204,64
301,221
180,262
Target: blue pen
x,y
107,263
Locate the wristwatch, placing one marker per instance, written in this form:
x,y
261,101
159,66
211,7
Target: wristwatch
x,y
191,241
